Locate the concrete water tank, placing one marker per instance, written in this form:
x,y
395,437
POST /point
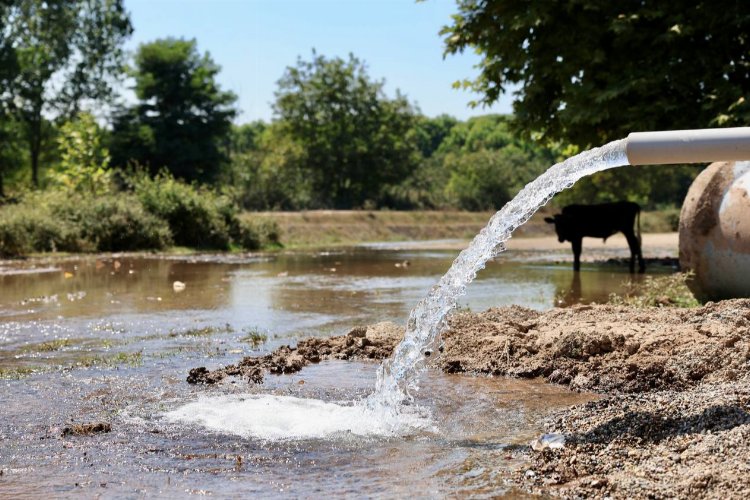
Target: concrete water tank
x,y
715,232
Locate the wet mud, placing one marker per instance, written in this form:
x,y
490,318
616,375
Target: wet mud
x,y
373,342
674,419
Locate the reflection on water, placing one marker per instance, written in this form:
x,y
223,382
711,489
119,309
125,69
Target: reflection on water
x,y
322,290
87,339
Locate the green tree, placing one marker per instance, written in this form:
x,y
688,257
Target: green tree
x,y
182,115
246,137
431,132
63,52
274,176
591,71
356,140
84,162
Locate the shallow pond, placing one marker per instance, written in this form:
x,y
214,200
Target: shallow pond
x,y
110,339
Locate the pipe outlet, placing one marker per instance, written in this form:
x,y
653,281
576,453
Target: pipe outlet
x,y
688,146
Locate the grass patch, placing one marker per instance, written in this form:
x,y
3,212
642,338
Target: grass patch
x,y
204,331
17,372
131,359
658,291
48,346
254,337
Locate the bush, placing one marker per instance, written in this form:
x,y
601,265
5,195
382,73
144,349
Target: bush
x,y
59,222
197,217
120,223
159,212
257,233
30,227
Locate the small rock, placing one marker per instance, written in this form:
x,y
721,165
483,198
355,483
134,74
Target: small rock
x,y
178,286
599,482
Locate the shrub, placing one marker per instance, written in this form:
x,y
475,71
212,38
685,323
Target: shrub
x,y
55,221
120,223
257,233
30,227
197,217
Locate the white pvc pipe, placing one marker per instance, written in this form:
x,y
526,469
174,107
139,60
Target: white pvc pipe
x,y
688,146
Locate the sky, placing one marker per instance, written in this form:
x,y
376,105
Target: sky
x,y
255,40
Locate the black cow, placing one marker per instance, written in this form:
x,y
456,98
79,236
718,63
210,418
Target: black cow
x,y
600,221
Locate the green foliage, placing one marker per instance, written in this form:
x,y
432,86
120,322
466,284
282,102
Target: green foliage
x,y
59,221
199,217
355,141
182,115
658,291
257,233
431,132
653,187
84,162
196,216
58,53
117,223
273,175
594,70
488,179
12,154
246,138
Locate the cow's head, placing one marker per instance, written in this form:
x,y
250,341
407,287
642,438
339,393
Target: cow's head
x,y
562,224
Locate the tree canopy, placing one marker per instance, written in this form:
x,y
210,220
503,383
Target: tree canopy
x,y
182,115
356,140
591,71
55,54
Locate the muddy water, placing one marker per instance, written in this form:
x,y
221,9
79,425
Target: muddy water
x,y
108,339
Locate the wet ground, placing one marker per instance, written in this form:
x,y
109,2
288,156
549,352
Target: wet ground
x,y
111,339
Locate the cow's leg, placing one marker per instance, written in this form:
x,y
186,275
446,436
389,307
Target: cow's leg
x,y
635,250
576,242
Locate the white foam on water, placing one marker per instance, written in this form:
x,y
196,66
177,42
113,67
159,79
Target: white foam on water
x,y
286,418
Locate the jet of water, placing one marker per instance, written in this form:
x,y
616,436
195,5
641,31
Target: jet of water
x,y
398,375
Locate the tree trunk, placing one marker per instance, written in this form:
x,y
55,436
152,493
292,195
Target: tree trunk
x,y
35,148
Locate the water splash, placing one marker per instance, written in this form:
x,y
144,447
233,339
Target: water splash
x,y
286,418
398,375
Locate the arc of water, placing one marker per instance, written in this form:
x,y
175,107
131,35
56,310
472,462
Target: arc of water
x,y
398,375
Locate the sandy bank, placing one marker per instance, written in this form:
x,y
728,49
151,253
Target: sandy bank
x,y
675,418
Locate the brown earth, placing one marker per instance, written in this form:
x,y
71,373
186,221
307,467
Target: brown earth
x,y
316,228
675,421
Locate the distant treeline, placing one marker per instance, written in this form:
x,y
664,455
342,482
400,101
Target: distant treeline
x,y
336,140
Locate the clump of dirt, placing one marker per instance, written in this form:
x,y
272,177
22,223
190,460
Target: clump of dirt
x,y
362,342
87,429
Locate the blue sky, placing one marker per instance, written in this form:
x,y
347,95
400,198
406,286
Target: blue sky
x,y
255,40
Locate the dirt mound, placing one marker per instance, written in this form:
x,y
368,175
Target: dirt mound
x,y
605,348
362,342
